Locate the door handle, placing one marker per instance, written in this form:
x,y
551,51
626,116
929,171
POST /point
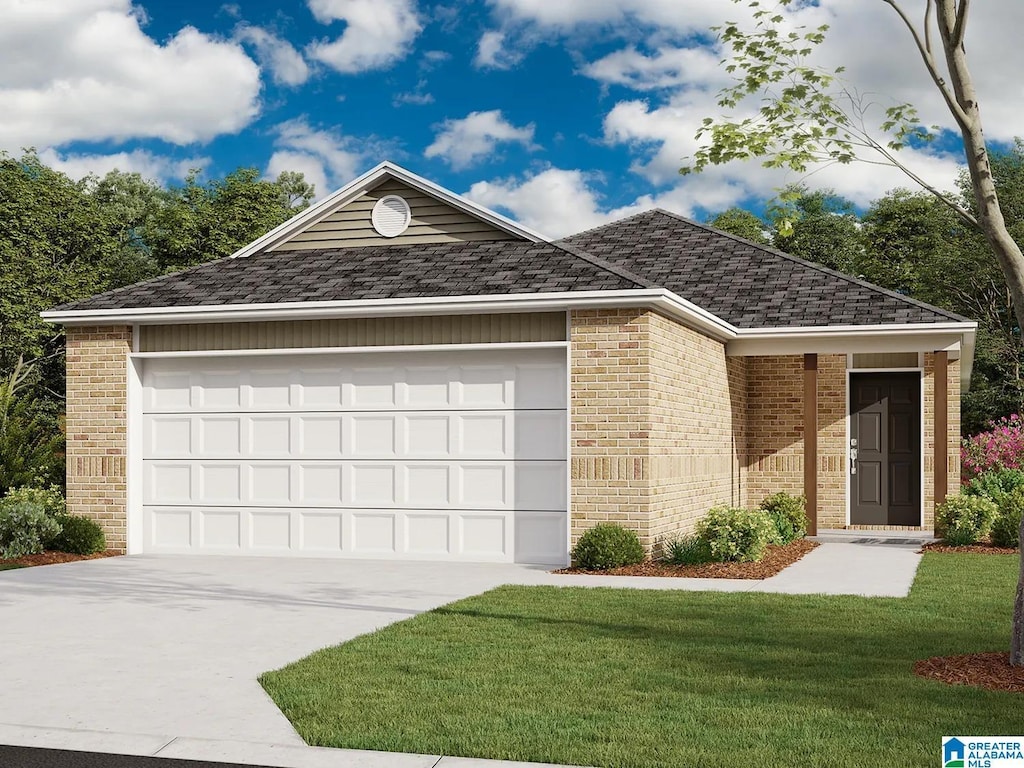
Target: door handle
x,y
853,461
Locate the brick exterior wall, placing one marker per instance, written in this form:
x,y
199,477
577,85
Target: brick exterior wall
x,y
657,413
664,426
97,427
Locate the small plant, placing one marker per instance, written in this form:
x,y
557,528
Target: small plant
x,y
24,526
995,484
607,545
78,535
1006,527
687,550
789,514
963,519
734,534
51,499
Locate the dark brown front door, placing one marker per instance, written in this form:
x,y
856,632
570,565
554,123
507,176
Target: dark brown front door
x,y
885,439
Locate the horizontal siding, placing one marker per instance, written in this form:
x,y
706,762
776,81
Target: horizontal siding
x,y
432,222
355,332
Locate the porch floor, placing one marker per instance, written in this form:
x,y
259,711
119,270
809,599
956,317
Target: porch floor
x,y
855,536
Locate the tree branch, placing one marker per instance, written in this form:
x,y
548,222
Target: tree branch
x,y
959,29
929,63
928,26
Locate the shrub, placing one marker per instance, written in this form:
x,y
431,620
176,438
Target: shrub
x,y
1001,447
963,519
995,484
687,550
78,535
1006,526
31,441
24,526
50,499
607,546
789,514
736,534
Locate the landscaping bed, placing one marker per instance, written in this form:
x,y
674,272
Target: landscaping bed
x,y
646,678
52,558
984,670
976,549
775,559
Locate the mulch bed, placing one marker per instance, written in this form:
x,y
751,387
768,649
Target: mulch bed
x,y
980,549
54,558
982,670
775,559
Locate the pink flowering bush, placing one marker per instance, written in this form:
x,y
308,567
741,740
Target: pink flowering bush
x,y
1002,447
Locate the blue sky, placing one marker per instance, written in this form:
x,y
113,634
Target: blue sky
x,y
561,113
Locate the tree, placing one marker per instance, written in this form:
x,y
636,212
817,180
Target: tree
x,y
818,226
808,114
742,223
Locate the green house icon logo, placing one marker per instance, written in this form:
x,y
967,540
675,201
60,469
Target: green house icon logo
x,y
953,753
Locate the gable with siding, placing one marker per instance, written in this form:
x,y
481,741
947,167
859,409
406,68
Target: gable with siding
x,y
433,221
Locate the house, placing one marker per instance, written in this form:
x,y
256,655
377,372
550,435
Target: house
x,y
398,372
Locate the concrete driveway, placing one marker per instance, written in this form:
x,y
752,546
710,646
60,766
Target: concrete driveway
x,y
164,645
160,655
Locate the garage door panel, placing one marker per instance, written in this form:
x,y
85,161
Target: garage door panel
x,y
540,537
220,529
540,385
365,455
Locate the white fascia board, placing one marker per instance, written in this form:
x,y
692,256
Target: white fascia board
x,y
660,299
957,338
359,186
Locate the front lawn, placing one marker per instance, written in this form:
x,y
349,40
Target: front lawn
x,y
9,566
618,677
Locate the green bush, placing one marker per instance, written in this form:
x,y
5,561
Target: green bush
x,y
789,514
607,546
687,550
78,535
995,484
51,499
1006,527
964,519
24,527
734,534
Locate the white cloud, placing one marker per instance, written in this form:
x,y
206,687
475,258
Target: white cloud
x,y
326,158
377,33
493,53
85,70
286,64
148,165
461,142
669,67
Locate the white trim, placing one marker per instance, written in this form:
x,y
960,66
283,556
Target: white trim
x,y
568,439
134,469
353,350
849,418
658,298
363,184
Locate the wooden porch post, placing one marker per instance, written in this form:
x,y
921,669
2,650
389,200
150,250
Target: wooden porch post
x,y
940,407
811,441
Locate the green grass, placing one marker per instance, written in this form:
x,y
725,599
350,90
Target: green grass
x,y
610,677
9,566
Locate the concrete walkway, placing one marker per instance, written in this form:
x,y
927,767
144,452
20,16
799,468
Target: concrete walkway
x,y
160,655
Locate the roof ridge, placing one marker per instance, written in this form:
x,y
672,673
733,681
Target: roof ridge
x,y
612,223
815,266
597,261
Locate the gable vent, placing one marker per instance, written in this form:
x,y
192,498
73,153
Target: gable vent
x,y
391,216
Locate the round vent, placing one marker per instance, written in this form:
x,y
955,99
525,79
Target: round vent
x,y
391,216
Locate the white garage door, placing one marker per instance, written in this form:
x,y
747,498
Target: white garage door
x,y
433,455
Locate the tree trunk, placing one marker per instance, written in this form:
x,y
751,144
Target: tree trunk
x,y
990,217
1017,637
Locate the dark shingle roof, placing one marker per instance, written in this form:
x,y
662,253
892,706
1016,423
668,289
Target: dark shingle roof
x,y
743,283
374,272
